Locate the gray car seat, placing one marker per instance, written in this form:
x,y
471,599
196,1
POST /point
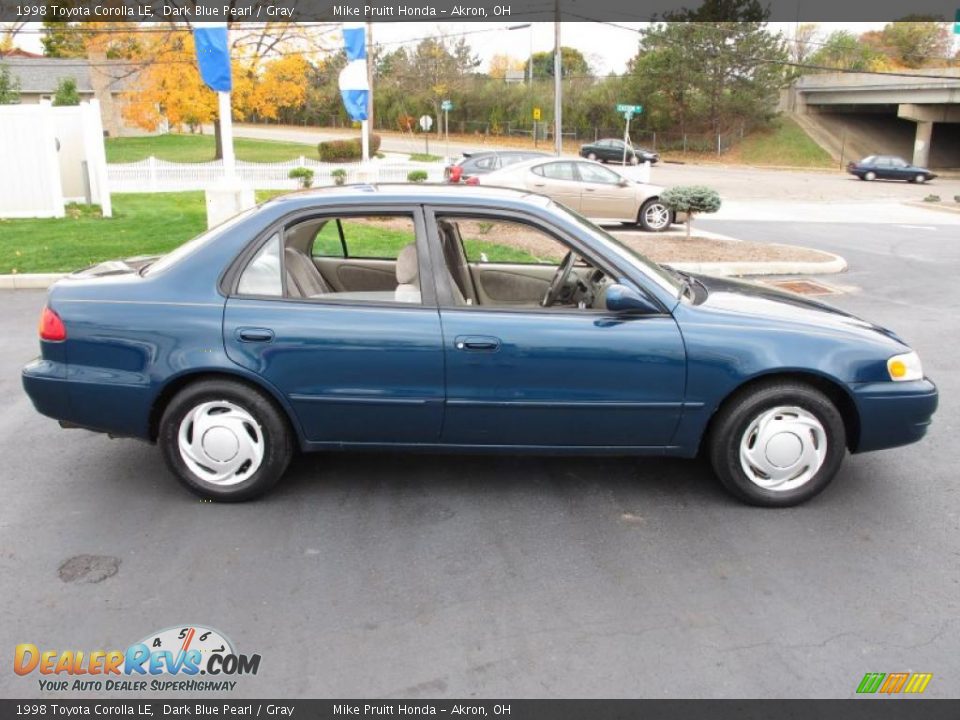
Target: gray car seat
x,y
303,278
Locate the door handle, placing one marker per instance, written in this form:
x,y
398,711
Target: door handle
x,y
263,335
590,189
477,343
539,184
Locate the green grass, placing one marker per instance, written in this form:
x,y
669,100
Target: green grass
x,y
200,148
151,224
786,144
424,157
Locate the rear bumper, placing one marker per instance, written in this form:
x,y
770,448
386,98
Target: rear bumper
x,y
893,414
45,383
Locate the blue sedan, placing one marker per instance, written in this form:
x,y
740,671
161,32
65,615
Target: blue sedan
x,y
461,318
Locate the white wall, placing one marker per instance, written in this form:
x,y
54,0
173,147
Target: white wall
x,y
30,178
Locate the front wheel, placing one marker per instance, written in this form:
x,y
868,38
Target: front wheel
x,y
654,216
634,160
920,178
778,444
225,440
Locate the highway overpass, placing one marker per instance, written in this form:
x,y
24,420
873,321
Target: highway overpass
x,y
880,109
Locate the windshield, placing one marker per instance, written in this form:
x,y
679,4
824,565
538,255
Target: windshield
x,y
670,281
177,254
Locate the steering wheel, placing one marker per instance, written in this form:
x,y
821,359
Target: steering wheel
x,y
559,280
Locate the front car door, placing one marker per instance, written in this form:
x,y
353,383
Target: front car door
x,y
356,365
518,374
604,195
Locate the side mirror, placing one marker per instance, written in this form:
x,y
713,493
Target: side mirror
x,y
624,182
620,298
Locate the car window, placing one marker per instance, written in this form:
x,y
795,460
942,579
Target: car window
x,y
486,163
898,162
868,160
597,174
603,143
885,161
505,241
556,171
174,256
263,275
378,237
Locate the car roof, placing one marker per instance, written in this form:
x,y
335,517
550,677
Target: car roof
x,y
409,193
500,153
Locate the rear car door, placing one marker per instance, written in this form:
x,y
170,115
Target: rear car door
x,y
356,366
558,181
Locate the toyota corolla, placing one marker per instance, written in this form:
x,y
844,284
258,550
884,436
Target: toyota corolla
x,y
461,318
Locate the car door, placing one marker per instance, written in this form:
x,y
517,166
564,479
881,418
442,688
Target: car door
x,y
884,169
522,375
355,367
899,169
556,180
603,195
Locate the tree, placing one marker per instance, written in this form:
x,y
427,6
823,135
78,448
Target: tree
x,y
572,63
692,200
917,41
9,87
804,41
501,63
63,39
66,93
261,90
843,50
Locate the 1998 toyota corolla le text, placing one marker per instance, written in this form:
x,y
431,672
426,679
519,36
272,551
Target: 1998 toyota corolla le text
x,y
481,319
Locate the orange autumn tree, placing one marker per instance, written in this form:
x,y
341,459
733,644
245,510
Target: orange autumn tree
x,y
169,86
262,88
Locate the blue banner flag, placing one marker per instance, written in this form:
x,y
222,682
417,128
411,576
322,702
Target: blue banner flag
x,y
213,55
354,88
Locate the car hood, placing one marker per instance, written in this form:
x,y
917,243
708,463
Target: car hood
x,y
744,298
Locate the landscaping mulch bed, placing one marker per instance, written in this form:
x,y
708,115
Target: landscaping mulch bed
x,y
667,249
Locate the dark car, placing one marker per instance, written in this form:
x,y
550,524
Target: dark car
x,y
889,167
470,319
611,150
481,163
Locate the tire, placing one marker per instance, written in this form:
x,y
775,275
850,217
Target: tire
x,y
634,160
244,422
654,216
591,156
798,421
870,176
920,178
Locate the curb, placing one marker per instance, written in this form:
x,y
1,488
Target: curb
x,y
932,206
40,281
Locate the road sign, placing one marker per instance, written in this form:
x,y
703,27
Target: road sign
x,y
446,105
956,23
536,113
426,122
632,109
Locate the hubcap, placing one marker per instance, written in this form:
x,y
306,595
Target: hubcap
x,y
783,448
221,443
657,216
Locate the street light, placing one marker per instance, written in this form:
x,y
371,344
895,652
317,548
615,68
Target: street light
x,y
530,57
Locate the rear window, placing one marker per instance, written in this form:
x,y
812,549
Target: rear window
x,y
189,247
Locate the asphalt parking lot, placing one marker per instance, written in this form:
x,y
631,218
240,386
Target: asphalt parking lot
x,y
431,576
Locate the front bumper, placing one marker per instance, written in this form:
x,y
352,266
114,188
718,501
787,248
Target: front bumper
x,y
893,414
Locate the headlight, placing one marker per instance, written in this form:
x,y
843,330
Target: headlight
x,y
905,367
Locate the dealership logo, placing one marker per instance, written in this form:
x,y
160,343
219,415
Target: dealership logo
x,y
894,683
183,652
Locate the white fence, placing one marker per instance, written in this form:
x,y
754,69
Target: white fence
x,y
152,175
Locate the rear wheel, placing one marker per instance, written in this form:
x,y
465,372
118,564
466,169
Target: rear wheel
x,y
591,156
654,216
225,440
778,444
870,175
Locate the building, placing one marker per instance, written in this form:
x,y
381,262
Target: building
x,y
105,80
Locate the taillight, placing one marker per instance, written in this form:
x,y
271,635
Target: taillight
x,y
51,326
475,180
455,173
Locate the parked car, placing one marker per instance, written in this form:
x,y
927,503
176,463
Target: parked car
x,y
612,150
470,319
591,189
888,167
481,163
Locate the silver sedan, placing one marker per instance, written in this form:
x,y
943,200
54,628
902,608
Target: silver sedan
x,y
594,191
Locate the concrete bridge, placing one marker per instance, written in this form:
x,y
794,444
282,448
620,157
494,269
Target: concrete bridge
x,y
850,101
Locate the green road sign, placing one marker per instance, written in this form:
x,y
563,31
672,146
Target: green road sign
x,y
630,109
956,23
446,105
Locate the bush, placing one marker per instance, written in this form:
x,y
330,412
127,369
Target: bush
x,y
417,176
932,198
304,175
339,176
346,150
691,199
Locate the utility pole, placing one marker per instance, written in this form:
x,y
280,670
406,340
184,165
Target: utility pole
x,y
557,83
369,129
